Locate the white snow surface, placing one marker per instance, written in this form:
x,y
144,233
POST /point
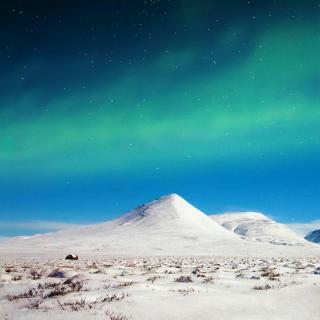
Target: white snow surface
x,y
256,226
159,287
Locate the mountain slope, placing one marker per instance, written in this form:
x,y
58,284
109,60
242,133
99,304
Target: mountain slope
x,y
168,225
172,214
257,227
313,236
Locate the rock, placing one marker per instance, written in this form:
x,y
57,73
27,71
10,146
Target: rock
x,y
56,274
74,279
195,271
72,257
184,279
35,274
8,269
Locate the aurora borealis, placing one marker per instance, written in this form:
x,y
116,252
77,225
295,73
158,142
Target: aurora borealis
x,y
107,104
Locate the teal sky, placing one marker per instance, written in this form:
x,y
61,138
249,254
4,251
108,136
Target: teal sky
x,y
104,106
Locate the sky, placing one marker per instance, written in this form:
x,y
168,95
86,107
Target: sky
x,y
105,105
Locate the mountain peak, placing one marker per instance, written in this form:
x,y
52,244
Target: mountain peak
x,y
171,213
170,197
167,207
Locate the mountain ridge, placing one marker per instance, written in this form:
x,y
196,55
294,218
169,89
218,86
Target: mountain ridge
x,y
256,226
313,236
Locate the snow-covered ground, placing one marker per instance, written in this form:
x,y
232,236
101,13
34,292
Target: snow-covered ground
x,y
163,260
161,288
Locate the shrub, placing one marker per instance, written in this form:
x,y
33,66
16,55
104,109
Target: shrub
x,y
184,279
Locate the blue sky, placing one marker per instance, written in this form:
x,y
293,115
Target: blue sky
x,y
107,105
282,192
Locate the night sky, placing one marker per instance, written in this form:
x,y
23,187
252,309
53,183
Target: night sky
x,y
105,105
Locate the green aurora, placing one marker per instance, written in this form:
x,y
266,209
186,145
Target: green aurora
x,y
263,106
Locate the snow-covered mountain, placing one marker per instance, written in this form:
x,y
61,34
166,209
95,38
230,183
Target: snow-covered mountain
x,y
257,227
172,214
167,226
314,236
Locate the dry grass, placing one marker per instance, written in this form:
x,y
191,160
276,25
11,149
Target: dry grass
x,y
56,289
116,316
183,279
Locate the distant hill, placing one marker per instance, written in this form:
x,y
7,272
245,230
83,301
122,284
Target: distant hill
x,y
256,226
314,236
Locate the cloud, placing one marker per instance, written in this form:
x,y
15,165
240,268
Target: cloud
x,y
37,225
304,228
2,239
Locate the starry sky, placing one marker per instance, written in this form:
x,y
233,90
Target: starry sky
x,y
105,105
